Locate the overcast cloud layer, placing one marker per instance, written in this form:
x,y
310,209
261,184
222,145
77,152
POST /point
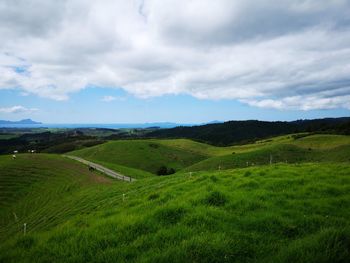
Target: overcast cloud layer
x,y
274,54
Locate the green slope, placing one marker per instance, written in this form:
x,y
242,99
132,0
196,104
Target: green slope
x,y
322,141
315,148
187,155
35,187
147,155
279,213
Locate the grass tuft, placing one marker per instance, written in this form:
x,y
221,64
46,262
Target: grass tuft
x,y
170,215
215,198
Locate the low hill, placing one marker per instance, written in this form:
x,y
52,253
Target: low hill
x,y
147,155
234,132
188,155
34,187
312,148
280,213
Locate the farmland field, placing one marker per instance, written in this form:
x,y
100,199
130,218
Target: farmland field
x,y
284,199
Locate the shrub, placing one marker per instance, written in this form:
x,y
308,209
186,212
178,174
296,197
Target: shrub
x,y
171,171
163,170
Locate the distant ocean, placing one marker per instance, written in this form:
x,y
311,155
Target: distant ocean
x,y
99,125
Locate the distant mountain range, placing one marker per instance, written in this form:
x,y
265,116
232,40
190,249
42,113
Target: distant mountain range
x,y
24,121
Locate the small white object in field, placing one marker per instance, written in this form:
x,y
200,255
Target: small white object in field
x,y
13,156
16,218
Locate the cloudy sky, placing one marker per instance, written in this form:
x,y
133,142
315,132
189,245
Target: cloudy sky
x,y
173,60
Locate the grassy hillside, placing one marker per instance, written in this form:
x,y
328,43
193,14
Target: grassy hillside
x,y
322,141
279,213
34,187
210,150
188,155
314,148
147,155
285,212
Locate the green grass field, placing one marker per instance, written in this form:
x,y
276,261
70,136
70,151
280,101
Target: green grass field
x,y
147,155
187,155
284,212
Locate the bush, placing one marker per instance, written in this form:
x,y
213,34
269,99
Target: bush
x,y
163,170
171,171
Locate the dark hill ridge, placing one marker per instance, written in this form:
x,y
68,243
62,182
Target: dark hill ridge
x,y
237,132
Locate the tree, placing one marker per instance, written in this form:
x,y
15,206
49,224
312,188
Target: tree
x,y
162,170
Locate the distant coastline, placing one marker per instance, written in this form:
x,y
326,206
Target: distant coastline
x,y
21,122
91,125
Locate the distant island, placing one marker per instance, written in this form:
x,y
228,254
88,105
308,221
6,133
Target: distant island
x,y
24,121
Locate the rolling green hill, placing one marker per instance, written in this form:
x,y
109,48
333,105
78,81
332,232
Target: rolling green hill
x,y
284,153
34,186
279,213
147,155
283,212
188,155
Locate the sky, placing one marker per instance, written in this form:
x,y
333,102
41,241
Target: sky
x,y
184,61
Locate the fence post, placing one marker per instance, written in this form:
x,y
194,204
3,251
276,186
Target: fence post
x,y
24,228
16,218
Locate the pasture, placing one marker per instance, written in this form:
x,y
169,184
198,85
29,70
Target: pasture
x,y
278,212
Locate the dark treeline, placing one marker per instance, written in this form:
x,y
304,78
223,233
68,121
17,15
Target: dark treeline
x,y
220,134
50,142
239,132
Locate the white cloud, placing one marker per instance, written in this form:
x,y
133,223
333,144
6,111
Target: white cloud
x,y
111,98
265,53
17,109
108,98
